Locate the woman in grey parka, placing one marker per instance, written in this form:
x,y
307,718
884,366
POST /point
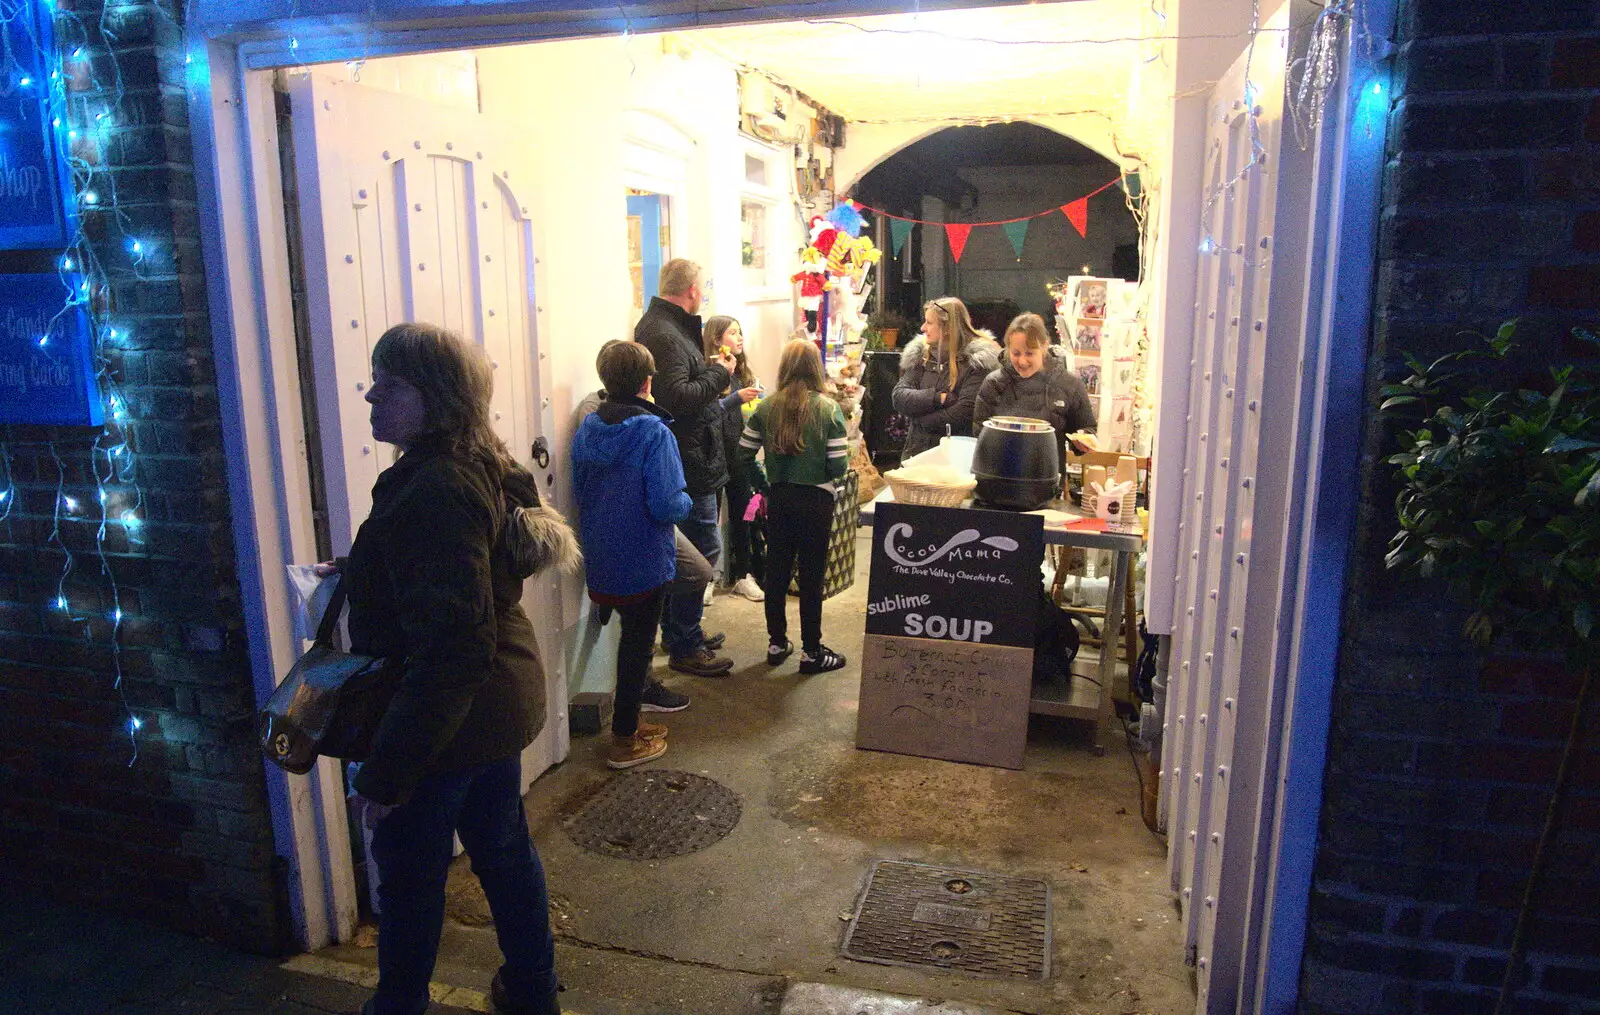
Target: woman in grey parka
x,y
940,373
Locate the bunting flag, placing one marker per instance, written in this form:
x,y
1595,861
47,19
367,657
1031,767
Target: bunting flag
x,y
1017,233
1077,212
899,229
957,232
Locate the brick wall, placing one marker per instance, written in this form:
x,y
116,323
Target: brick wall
x,y
1440,760
183,834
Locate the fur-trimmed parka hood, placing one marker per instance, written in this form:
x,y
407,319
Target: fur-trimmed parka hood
x,y
982,353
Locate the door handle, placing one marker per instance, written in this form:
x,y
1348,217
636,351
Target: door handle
x,y
541,452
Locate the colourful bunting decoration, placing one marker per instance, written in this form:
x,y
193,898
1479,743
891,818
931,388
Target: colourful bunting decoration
x,y
1077,212
957,233
899,229
1017,233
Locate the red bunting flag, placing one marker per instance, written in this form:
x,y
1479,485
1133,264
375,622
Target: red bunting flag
x,y
1077,212
957,232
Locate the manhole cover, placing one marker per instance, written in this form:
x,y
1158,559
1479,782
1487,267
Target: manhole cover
x,y
916,915
655,814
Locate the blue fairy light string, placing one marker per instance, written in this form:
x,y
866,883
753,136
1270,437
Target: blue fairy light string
x,y
85,106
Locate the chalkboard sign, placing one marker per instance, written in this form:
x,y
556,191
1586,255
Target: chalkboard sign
x,y
947,663
955,574
36,210
47,370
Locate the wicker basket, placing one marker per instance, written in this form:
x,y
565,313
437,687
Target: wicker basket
x,y
910,491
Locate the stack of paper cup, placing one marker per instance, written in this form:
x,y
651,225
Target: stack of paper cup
x,y
1093,476
1128,471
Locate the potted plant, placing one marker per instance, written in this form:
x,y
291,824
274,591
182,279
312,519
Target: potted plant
x,y
888,324
1500,497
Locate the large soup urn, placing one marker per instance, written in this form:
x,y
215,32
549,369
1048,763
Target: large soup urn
x,y
1017,463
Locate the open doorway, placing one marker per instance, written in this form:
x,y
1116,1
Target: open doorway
x,y
710,130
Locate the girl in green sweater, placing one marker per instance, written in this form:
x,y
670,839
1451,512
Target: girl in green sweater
x,y
801,433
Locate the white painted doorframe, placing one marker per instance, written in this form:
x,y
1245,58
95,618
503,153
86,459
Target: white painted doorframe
x,y
241,213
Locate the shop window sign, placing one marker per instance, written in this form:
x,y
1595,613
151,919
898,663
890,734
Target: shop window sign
x,y
46,367
35,185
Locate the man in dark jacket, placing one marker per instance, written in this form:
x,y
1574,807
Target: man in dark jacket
x,y
688,388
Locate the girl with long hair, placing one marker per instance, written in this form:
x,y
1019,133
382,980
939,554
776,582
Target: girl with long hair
x,y
434,583
738,572
801,434
940,373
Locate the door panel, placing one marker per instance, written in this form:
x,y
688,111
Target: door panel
x,y
1217,537
409,213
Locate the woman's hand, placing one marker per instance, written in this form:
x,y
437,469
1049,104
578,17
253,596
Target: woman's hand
x,y
368,812
943,397
749,394
326,569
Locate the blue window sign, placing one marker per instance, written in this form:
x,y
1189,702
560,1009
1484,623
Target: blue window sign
x,y
36,209
47,371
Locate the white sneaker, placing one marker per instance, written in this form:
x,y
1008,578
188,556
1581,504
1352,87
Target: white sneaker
x,y
707,599
748,588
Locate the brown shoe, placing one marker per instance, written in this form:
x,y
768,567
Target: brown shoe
x,y
625,752
651,730
704,663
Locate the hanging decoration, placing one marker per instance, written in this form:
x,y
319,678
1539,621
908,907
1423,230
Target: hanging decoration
x,y
1077,212
832,273
899,229
957,233
57,60
1017,233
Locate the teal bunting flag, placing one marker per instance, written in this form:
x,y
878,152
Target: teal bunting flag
x,y
899,229
1017,233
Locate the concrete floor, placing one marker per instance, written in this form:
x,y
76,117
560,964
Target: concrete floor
x,y
735,927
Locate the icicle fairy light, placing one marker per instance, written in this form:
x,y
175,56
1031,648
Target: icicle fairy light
x,y
81,84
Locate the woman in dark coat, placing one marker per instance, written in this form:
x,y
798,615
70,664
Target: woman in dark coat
x,y
940,373
435,585
1034,382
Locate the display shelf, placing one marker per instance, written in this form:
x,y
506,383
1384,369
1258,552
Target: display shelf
x,y
1075,698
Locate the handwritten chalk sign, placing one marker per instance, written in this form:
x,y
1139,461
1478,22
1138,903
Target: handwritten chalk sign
x,y
47,370
955,574
35,186
945,699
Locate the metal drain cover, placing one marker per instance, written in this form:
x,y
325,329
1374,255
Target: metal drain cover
x,y
915,915
655,814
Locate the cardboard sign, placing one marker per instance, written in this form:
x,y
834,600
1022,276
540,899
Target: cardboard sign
x,y
945,699
35,185
955,574
47,372
947,664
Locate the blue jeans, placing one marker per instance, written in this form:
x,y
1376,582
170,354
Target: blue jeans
x,y
680,621
413,847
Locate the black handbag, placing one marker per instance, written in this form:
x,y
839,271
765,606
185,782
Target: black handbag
x,y
331,702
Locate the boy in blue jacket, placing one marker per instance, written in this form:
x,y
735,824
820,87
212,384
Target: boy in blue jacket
x,y
631,495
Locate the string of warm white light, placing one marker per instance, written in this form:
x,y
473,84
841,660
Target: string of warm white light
x,y
84,108
934,33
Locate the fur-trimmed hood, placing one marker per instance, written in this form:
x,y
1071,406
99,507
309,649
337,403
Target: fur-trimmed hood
x,y
982,353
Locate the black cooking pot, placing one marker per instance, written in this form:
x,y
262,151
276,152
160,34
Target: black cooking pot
x,y
1017,463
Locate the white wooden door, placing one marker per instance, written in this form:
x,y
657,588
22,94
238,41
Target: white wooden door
x,y
1245,390
413,212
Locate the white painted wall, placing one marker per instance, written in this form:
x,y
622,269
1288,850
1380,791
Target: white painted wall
x,y
577,99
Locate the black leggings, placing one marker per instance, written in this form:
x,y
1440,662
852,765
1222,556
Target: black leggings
x,y
736,562
799,519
